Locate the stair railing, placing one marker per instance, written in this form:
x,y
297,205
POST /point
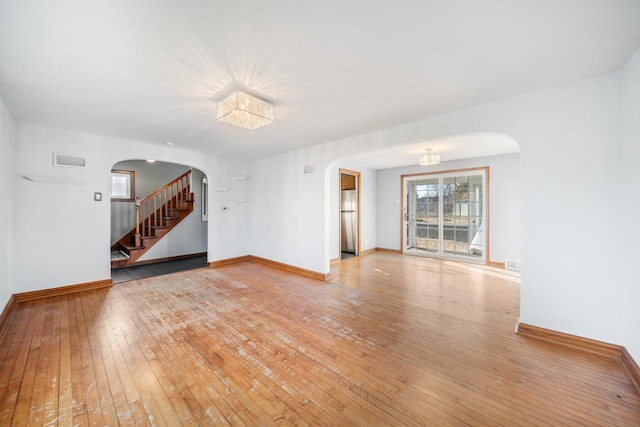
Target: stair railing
x,y
156,207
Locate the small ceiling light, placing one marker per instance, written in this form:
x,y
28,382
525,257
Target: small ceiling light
x,y
430,158
150,161
246,111
170,144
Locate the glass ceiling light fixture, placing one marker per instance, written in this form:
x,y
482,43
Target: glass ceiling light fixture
x,y
246,111
430,158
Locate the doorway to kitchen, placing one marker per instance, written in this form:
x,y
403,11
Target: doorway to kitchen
x,y
445,214
349,213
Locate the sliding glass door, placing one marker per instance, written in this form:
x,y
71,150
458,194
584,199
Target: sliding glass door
x,y
444,215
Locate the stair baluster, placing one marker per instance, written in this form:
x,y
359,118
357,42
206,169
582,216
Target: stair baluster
x,y
137,238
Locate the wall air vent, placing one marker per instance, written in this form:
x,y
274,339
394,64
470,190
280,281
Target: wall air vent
x,y
68,161
512,264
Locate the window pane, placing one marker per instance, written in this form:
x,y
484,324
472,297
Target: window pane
x,y
122,185
119,186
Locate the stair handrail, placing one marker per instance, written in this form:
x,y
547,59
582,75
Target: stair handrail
x,y
173,194
184,175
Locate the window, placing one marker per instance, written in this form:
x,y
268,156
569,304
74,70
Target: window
x,y
122,186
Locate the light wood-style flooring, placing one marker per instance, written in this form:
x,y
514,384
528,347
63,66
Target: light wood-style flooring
x,y
392,340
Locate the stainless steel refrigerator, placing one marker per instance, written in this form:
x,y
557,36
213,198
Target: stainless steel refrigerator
x,y
349,221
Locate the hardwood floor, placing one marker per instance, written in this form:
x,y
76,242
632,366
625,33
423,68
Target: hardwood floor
x,y
393,340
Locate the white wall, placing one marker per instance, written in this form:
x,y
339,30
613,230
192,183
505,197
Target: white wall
x,y
65,234
287,214
504,202
560,131
631,150
367,207
7,147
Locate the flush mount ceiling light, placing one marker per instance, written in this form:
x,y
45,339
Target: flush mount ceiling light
x,y
246,111
430,158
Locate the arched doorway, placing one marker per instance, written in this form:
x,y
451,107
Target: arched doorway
x,y
382,211
158,219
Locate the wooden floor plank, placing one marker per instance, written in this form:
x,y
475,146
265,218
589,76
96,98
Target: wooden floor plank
x,y
28,384
51,376
105,389
125,394
80,388
46,369
65,381
14,351
393,340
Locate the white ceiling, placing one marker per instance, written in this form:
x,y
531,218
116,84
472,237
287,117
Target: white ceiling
x,y
152,70
455,148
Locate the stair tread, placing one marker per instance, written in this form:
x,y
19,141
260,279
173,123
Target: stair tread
x,y
133,248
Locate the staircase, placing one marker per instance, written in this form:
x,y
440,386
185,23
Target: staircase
x,y
156,215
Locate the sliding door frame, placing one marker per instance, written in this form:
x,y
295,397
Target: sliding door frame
x,y
486,201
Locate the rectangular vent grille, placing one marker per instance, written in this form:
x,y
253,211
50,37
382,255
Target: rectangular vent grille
x,y
512,264
69,161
